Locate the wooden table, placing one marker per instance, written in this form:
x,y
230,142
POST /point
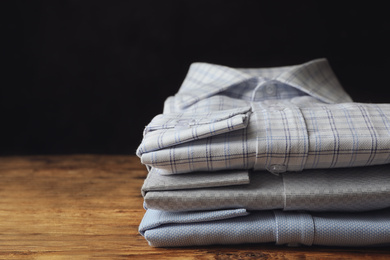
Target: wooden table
x,y
89,206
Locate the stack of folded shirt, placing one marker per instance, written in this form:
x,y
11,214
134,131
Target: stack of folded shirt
x,y
277,155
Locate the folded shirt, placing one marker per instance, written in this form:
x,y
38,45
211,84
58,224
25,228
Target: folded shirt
x,y
225,127
344,189
276,119
237,226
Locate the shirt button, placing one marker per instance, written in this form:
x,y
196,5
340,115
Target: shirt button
x,y
277,169
270,89
184,124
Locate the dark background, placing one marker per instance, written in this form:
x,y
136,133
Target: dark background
x,y
87,76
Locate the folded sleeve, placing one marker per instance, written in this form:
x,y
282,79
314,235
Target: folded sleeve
x,y
167,130
156,182
274,136
345,189
371,228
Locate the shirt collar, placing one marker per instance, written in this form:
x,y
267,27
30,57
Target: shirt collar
x,y
316,78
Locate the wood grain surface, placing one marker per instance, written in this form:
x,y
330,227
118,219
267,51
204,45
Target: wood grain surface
x,y
89,206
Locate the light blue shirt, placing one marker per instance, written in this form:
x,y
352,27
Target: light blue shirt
x,y
172,229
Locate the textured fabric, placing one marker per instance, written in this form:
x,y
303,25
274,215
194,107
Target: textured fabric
x,y
346,189
277,119
167,229
157,182
210,152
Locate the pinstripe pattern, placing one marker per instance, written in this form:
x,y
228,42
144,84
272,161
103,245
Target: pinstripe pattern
x,y
288,118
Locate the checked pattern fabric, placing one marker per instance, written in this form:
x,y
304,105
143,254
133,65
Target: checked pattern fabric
x,y
280,119
269,155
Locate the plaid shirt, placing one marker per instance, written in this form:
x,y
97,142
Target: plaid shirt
x,y
279,119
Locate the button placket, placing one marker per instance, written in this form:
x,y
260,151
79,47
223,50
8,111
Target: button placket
x,y
184,123
282,140
277,169
294,228
270,89
257,93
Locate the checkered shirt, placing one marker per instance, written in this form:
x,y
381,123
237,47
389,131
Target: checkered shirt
x,y
278,119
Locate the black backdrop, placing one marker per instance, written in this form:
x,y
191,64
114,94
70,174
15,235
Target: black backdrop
x,y
87,76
